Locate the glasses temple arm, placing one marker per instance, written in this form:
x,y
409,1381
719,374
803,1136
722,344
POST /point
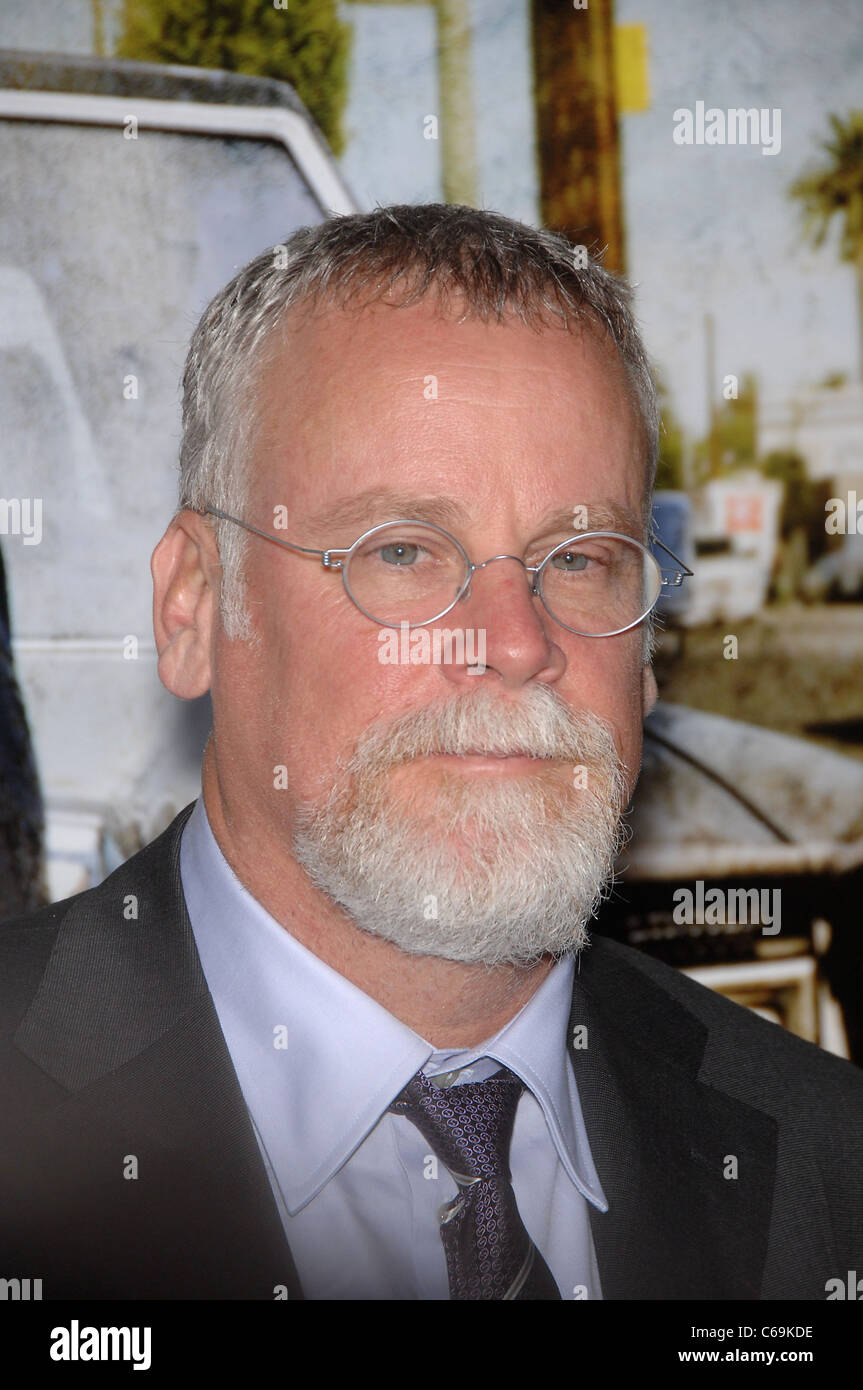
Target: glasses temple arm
x,y
669,551
290,545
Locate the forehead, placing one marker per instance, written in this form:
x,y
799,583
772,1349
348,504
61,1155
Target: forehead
x,y
407,400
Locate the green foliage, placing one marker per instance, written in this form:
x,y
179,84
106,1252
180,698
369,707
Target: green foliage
x,y
735,428
306,45
802,500
836,187
669,472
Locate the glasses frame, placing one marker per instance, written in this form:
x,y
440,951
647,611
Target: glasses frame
x,y
674,580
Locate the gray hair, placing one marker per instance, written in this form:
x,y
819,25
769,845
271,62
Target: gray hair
x,y
490,266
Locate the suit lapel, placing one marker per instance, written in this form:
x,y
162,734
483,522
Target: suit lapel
x,y
156,1096
680,1224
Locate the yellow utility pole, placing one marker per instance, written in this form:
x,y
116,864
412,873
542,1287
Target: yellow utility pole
x,y
575,79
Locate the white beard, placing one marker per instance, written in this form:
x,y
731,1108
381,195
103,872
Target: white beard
x,y
474,868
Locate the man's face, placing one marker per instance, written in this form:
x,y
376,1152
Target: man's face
x,y
510,431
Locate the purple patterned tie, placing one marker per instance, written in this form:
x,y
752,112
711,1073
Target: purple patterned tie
x,y
489,1253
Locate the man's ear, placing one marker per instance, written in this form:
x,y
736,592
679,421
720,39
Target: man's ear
x,y
186,577
649,691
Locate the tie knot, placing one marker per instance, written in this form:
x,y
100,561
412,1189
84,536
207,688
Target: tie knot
x,y
469,1126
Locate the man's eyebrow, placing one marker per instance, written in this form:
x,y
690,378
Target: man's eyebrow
x,y
592,516
376,505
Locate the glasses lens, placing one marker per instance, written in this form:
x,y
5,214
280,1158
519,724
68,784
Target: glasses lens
x,y
601,585
405,573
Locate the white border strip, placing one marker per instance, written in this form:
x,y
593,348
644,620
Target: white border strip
x,y
287,128
80,646
784,970
690,860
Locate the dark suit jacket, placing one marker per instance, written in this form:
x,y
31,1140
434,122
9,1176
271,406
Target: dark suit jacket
x,y
112,1052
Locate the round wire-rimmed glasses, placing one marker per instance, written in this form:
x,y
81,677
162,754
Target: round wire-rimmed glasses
x,y
416,572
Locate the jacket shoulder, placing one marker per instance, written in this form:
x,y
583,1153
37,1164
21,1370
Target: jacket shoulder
x,y
744,1054
27,942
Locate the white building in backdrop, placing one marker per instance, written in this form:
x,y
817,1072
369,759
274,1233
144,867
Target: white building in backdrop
x,y
824,425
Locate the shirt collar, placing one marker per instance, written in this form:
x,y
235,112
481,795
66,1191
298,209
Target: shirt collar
x,y
300,1034
533,1045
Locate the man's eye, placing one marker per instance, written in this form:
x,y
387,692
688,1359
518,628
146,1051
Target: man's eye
x,y
594,556
570,561
399,553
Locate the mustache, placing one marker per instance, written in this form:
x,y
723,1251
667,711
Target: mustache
x,y
539,725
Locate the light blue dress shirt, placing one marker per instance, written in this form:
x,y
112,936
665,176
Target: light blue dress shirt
x,y
319,1061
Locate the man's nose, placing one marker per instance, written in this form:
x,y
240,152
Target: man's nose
x,y
508,624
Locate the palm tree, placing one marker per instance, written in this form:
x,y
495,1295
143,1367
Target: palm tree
x,y
837,187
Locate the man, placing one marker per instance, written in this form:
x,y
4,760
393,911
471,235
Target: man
x,y
339,1032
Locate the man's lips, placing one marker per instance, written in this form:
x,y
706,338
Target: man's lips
x,y
477,757
491,753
